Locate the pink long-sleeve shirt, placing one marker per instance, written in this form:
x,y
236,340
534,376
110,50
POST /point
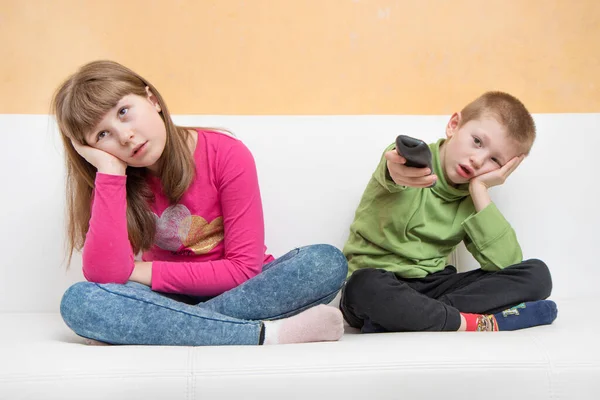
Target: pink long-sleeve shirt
x,y
208,243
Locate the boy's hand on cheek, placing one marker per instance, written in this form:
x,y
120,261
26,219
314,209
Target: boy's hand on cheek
x,y
407,176
498,176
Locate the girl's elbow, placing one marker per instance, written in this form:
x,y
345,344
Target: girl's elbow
x,y
96,275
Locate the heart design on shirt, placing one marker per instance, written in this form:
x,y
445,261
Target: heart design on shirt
x,y
177,228
199,235
167,227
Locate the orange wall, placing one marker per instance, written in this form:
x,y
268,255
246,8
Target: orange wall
x,y
311,56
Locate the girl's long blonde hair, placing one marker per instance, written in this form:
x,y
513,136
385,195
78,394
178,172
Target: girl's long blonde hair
x,y
79,104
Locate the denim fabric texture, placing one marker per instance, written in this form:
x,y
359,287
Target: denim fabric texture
x,y
134,314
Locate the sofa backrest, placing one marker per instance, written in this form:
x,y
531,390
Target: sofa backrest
x,y
312,171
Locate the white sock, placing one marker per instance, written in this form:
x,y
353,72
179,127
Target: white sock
x,y
317,324
92,342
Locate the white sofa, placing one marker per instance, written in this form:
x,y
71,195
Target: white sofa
x,y
312,172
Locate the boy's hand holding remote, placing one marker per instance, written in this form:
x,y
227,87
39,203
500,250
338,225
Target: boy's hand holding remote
x,y
408,165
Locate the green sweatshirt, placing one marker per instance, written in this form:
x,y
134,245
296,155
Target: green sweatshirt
x,y
412,231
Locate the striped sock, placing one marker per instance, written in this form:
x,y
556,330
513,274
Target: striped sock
x,y
524,315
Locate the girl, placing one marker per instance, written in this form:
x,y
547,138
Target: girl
x,y
188,199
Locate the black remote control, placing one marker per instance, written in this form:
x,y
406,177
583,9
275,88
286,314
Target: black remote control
x,y
415,151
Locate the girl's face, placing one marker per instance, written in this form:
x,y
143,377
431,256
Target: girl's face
x,y
132,131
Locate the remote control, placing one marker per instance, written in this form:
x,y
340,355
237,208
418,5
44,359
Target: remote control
x,y
415,151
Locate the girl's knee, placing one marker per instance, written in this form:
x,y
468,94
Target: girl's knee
x,y
330,260
75,301
336,259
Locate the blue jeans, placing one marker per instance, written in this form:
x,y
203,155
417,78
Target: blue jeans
x,y
133,314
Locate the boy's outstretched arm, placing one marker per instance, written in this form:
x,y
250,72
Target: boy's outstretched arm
x,y
407,176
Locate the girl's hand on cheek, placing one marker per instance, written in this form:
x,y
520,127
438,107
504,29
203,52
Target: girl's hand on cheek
x,y
104,162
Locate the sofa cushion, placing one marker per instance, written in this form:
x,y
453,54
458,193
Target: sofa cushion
x,y
42,358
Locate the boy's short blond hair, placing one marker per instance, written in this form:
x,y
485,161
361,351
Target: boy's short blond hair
x,y
509,111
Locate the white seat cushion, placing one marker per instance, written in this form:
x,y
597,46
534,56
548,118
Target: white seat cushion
x,y
42,358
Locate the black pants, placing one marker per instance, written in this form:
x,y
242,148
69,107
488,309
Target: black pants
x,y
375,300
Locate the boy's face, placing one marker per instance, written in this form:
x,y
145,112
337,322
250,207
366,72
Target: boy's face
x,y
477,147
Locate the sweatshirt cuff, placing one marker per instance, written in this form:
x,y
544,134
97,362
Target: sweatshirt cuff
x,y
486,226
382,175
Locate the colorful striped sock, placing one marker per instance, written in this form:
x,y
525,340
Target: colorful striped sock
x,y
524,315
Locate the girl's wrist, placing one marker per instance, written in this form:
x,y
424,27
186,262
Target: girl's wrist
x,y
142,273
112,169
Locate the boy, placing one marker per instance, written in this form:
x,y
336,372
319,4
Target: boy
x,y
405,229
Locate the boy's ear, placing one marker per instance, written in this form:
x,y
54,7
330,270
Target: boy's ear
x,y
453,125
152,98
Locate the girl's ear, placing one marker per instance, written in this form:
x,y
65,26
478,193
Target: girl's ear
x,y
453,125
152,99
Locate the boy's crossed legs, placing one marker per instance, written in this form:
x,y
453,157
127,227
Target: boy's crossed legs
x,y
375,300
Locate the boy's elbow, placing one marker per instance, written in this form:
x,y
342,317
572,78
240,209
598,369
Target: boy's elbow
x,y
491,267
499,265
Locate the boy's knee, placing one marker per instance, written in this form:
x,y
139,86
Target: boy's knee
x,y
363,283
541,278
357,293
